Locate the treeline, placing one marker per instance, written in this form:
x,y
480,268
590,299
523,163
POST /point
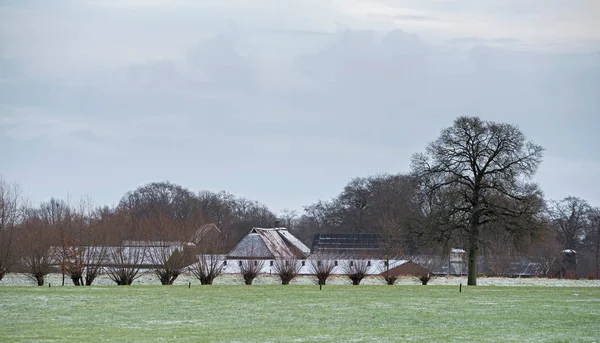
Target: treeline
x,y
470,189
159,212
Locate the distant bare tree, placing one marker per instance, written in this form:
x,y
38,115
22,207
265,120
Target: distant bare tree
x,y
476,177
168,262
207,267
11,211
384,272
356,270
287,269
209,258
390,246
125,263
250,269
592,239
321,267
73,262
424,278
94,238
56,216
161,211
94,257
37,256
546,251
288,218
571,218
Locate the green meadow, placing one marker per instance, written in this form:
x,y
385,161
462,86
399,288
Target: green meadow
x,y
299,313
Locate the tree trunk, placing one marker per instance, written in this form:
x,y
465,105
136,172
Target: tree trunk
x,y
40,280
89,279
473,249
597,255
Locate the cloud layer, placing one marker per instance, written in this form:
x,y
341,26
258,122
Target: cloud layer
x,y
285,103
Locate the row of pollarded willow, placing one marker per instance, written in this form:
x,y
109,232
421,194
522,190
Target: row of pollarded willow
x,y
209,266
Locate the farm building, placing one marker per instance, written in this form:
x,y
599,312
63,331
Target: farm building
x,y
142,254
208,238
455,264
269,244
406,268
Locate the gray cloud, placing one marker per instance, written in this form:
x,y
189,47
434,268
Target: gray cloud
x,y
278,112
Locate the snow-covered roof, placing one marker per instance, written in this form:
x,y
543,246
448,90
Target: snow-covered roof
x,y
141,255
269,243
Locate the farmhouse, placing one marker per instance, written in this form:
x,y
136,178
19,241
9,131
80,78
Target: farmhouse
x,y
269,244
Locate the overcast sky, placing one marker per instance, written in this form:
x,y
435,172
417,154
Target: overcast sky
x,y
285,101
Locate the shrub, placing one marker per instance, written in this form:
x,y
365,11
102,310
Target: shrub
x,y
250,270
424,278
356,270
207,268
287,269
321,270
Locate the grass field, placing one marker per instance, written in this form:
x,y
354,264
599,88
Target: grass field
x,y
299,313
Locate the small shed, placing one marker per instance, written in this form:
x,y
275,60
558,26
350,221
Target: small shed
x,y
408,268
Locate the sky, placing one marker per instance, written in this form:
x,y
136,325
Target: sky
x,y
285,101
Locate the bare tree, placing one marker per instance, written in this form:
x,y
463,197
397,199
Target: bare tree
x,y
125,263
56,215
287,269
168,261
571,218
546,251
321,267
592,238
356,270
250,269
10,216
73,262
384,272
207,267
209,254
390,246
94,238
424,278
37,256
289,219
475,176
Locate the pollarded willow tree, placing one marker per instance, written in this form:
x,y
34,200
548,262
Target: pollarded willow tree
x,y
476,177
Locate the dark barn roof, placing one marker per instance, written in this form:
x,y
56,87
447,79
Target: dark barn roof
x,y
346,244
408,268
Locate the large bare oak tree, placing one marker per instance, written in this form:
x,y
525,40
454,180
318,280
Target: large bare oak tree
x,y
476,175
